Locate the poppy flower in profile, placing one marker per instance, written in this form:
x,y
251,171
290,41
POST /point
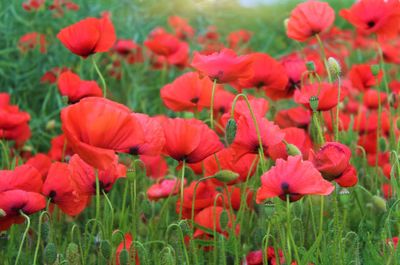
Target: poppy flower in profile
x,y
181,27
293,117
24,177
188,92
126,244
60,188
71,86
154,138
88,36
348,178
238,38
163,189
293,178
51,76
128,50
326,93
84,175
224,66
96,128
309,19
189,140
380,17
246,140
268,74
156,166
361,77
294,68
16,200
209,218
162,43
31,40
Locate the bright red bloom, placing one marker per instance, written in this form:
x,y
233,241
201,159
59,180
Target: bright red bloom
x,y
84,175
154,138
181,27
268,74
294,68
88,36
51,76
348,178
58,7
371,98
308,19
156,166
210,219
362,78
31,40
129,50
238,38
33,5
41,162
60,150
246,140
326,93
71,86
180,58
63,191
96,128
381,17
393,240
332,159
224,66
294,117
190,140
163,189
24,177
295,136
162,43
227,161
294,178
126,244
256,257
188,92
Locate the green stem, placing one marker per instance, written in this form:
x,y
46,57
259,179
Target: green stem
x,y
337,111
39,236
28,225
103,81
181,191
212,104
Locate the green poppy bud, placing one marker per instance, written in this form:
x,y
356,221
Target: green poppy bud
x,y
292,150
226,175
230,130
310,66
105,249
375,69
379,203
224,219
124,257
334,67
72,254
50,253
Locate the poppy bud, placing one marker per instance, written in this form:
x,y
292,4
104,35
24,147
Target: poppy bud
x,y
50,125
2,213
230,130
50,253
379,203
375,69
224,219
226,176
105,249
285,23
334,67
292,150
314,101
45,231
72,254
382,144
124,257
310,66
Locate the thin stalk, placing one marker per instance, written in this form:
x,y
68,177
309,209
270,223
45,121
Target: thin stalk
x,y
103,81
212,104
28,225
181,191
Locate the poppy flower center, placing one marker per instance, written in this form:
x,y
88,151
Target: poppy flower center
x,y
194,100
371,24
102,186
52,194
134,150
286,193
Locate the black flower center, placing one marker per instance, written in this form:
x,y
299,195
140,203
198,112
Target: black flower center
x,y
371,24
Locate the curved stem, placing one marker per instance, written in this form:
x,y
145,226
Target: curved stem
x,y
39,235
212,104
103,81
181,191
28,225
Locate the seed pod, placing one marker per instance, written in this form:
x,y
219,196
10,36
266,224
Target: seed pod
x,y
292,150
105,249
379,203
334,67
50,125
226,175
224,219
314,101
50,254
72,254
124,257
45,231
382,144
230,130
310,66
375,69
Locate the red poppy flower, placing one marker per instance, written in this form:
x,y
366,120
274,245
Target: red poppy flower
x,y
227,161
96,128
348,178
31,40
60,149
326,93
294,178
256,257
190,140
84,175
246,140
163,189
16,200
331,159
62,191
88,36
129,50
233,197
238,38
188,92
58,7
308,19
71,86
41,162
294,117
224,66
362,78
181,27
162,43
51,76
24,177
295,136
371,98
154,138
180,58
126,244
294,68
33,5
156,166
209,218
381,17
268,73
222,101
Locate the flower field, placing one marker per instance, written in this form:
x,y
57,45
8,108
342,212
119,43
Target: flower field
x,y
199,132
